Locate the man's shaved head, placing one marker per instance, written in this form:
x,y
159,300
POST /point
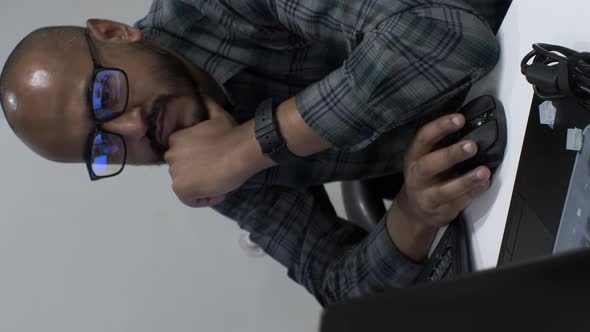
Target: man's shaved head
x,y
46,82
27,96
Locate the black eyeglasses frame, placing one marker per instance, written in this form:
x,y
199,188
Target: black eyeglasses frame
x,y
97,68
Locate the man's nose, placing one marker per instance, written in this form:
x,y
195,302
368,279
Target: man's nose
x,y
131,124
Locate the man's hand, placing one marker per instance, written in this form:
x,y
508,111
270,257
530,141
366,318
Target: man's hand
x,y
209,160
428,199
217,156
427,196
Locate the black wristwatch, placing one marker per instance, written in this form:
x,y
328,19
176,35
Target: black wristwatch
x,y
268,135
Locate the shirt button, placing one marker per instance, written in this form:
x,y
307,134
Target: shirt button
x,y
367,132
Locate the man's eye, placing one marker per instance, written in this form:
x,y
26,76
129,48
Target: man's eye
x,y
107,91
106,140
105,148
97,150
112,149
106,97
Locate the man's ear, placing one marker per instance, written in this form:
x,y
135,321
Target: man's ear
x,y
110,31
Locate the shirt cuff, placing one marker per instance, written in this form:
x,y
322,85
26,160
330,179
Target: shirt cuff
x,y
332,109
388,263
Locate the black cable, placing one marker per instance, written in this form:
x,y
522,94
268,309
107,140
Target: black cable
x,y
557,72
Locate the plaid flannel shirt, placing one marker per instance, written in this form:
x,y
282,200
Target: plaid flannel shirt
x,y
362,73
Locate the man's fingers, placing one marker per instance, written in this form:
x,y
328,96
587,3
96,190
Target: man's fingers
x,y
432,133
457,187
464,200
441,160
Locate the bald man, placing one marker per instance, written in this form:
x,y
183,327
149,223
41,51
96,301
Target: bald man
x,y
254,105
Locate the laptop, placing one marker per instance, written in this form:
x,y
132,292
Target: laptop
x,y
544,294
550,206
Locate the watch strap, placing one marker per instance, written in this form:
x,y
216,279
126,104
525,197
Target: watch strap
x,y
268,135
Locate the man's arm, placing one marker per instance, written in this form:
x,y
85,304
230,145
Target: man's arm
x,y
407,61
334,259
331,257
403,60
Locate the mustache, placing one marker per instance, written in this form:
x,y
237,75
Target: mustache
x,y
158,107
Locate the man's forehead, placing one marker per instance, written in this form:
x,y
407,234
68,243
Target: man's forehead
x,y
50,113
38,78
42,89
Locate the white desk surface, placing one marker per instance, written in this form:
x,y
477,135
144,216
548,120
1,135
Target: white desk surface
x,y
564,23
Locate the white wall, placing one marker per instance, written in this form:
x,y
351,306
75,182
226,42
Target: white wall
x,y
70,264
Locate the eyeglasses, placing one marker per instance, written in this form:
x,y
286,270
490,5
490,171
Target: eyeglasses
x,y
108,95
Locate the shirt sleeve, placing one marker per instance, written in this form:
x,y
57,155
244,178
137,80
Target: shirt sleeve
x,y
331,257
405,58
